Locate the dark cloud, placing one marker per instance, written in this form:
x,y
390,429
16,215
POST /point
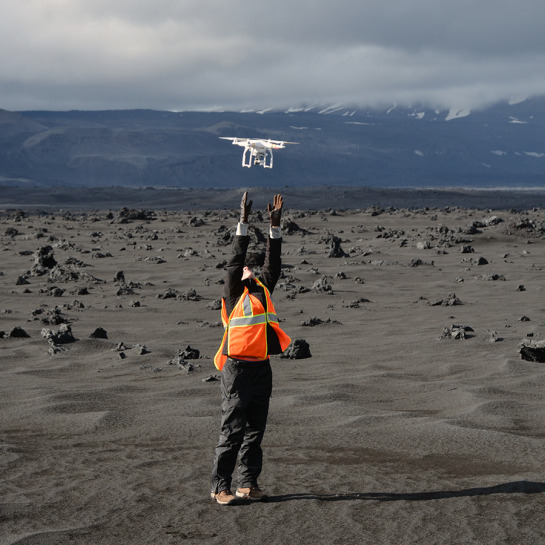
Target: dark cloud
x,y
180,54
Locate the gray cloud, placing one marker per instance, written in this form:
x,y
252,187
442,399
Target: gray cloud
x,y
183,54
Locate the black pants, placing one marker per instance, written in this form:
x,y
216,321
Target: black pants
x,y
245,392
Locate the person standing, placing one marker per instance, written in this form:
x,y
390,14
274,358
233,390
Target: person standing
x,y
251,334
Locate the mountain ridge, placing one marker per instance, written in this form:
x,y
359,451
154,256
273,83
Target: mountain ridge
x,y
502,146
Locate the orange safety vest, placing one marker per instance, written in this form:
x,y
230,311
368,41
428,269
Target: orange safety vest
x,y
245,332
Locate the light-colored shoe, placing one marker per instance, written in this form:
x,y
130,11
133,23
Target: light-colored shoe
x,y
253,493
225,497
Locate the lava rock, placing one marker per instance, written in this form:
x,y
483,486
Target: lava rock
x,y
189,353
311,322
99,333
63,336
44,260
17,333
322,285
336,250
532,350
457,332
298,349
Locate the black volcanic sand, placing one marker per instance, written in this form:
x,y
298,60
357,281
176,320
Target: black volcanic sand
x,y
415,420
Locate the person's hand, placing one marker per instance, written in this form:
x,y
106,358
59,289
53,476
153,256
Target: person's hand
x,y
275,211
245,208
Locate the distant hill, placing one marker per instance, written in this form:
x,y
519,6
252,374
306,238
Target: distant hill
x,y
500,146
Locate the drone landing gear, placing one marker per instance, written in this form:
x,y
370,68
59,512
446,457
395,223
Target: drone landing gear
x,y
270,163
244,162
259,158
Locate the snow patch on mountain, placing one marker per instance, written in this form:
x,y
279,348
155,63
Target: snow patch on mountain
x,y
331,109
455,113
517,121
517,100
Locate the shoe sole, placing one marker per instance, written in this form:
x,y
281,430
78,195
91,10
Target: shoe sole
x,y
243,496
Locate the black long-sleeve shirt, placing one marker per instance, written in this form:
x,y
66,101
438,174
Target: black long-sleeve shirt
x,y
270,273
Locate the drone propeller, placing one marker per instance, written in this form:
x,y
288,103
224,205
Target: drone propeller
x,y
235,139
281,142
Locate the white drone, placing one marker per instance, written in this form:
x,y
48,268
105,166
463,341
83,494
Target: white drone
x,y
258,149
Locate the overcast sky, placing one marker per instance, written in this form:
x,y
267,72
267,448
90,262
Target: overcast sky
x,y
234,54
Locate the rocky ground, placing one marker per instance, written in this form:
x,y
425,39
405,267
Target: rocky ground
x,y
408,410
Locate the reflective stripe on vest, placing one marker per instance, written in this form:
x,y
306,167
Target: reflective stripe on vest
x,y
254,320
247,306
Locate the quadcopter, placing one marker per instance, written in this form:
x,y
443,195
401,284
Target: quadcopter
x,y
260,150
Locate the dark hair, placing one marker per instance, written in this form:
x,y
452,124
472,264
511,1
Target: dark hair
x,y
255,259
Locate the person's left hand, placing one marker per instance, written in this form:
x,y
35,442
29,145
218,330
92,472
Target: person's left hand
x,y
275,211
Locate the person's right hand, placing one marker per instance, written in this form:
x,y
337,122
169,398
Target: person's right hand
x,y
245,208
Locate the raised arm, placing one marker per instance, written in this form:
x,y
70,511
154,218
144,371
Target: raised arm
x,y
273,261
234,286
